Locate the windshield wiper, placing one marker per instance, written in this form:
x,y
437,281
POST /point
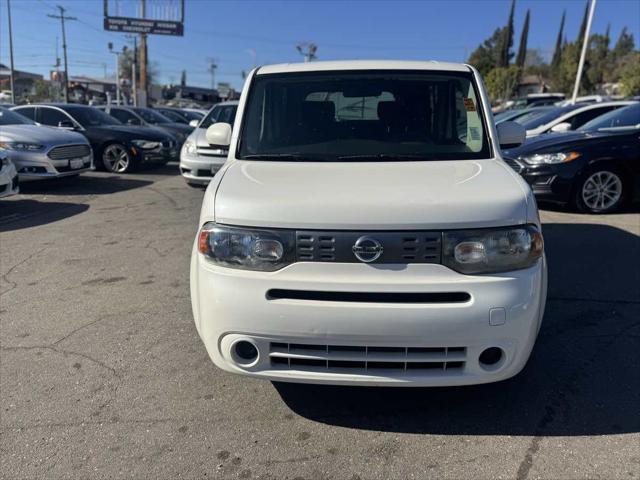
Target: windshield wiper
x,y
381,157
283,156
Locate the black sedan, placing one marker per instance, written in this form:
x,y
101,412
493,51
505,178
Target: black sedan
x,y
596,169
178,115
149,117
116,147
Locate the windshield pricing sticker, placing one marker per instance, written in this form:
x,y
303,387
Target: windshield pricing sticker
x,y
469,105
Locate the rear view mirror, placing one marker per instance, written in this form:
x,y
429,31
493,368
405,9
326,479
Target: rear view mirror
x,y
561,127
194,123
219,134
511,134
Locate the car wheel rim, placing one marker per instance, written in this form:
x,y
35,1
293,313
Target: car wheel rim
x,y
116,158
602,190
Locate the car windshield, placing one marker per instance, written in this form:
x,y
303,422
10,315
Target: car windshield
x,y
622,119
368,116
219,113
173,116
151,116
190,115
536,118
90,116
7,117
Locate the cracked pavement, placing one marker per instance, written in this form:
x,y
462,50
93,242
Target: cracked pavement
x,y
102,374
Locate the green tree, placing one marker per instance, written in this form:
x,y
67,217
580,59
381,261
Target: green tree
x,y
583,27
625,44
486,57
629,71
507,39
558,50
502,82
126,64
598,59
522,48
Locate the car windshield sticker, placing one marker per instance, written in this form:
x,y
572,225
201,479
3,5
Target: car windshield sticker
x,y
469,105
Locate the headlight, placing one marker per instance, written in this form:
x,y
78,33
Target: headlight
x,y
146,144
550,158
492,250
21,146
190,148
247,249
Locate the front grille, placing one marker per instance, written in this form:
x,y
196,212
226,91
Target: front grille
x,y
356,359
514,164
67,152
398,247
212,152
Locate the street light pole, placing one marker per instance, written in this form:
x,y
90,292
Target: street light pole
x,y
585,46
62,18
13,91
117,72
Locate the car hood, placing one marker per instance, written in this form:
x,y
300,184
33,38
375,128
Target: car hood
x,y
199,136
176,127
548,141
131,132
374,196
39,134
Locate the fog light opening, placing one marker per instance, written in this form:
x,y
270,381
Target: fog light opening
x,y
244,352
491,358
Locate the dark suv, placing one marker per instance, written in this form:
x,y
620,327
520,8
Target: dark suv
x,y
116,147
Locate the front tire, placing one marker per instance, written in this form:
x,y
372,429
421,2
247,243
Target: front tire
x,y
601,190
116,158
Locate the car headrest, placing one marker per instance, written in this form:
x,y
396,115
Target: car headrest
x,y
389,112
318,112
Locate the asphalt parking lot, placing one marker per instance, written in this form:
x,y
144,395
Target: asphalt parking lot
x,y
102,373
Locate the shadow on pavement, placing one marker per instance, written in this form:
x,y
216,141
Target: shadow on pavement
x,y
582,376
83,185
19,214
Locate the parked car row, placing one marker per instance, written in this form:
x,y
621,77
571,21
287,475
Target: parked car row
x,y
595,168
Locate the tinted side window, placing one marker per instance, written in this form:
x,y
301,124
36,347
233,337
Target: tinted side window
x,y
52,117
211,118
124,116
29,112
227,114
584,117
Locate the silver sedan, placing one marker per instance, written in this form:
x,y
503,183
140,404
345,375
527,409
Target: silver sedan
x,y
40,152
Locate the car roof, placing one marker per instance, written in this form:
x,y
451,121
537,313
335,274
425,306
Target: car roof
x,y
362,65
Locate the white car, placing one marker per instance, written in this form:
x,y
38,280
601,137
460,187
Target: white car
x,y
200,161
41,152
565,118
8,176
365,231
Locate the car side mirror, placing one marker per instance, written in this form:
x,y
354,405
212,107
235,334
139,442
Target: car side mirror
x,y
219,134
561,127
194,123
67,124
511,134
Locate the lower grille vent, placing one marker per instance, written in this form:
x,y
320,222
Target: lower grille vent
x,y
363,359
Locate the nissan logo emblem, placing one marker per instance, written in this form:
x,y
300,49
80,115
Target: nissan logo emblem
x,y
367,249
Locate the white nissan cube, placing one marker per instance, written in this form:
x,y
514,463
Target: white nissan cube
x,y
365,231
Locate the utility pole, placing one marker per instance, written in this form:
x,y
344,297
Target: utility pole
x,y
308,50
585,46
62,18
13,91
143,57
117,54
212,71
134,90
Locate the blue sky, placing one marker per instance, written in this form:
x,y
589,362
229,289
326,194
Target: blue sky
x,y
229,30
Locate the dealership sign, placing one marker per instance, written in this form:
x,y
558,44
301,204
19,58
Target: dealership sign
x,y
140,25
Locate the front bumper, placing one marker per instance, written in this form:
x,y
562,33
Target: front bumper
x,y
38,166
159,157
551,183
8,181
232,305
200,170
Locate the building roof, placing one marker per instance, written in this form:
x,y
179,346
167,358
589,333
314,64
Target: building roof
x,y
363,65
